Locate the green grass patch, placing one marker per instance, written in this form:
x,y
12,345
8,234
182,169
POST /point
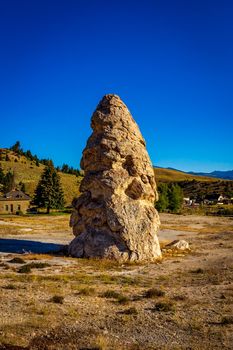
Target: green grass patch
x,y
111,294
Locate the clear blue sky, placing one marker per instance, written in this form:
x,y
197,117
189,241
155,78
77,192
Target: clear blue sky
x,y
170,61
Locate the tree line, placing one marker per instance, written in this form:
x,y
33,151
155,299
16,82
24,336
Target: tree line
x,y
18,150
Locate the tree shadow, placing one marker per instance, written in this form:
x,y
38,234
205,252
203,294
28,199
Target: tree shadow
x,y
21,246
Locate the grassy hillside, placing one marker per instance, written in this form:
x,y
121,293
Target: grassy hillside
x,y
201,189
29,173
170,175
195,186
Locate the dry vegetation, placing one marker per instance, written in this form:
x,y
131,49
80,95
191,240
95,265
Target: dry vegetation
x,y
167,175
181,302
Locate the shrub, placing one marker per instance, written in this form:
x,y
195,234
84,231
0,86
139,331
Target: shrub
x,y
153,292
24,269
10,286
34,265
57,299
111,294
122,299
198,270
179,297
17,260
38,265
130,311
227,319
164,306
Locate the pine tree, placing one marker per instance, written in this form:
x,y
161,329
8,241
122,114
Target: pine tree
x,y
16,148
48,193
175,197
8,182
162,203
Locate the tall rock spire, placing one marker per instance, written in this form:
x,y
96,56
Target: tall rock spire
x,y
115,216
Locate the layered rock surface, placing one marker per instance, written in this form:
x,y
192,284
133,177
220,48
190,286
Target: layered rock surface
x,y
115,216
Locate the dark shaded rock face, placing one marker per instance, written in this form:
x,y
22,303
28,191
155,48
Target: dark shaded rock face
x,y
115,217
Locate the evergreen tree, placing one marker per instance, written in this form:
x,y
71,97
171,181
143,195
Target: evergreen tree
x,y
65,168
28,155
48,193
175,197
16,148
162,203
2,176
8,182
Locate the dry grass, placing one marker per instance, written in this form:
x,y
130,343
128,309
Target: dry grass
x,y
166,175
119,306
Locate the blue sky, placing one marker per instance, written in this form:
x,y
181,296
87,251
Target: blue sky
x,y
170,61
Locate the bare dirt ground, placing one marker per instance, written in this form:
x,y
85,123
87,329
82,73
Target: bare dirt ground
x,y
50,301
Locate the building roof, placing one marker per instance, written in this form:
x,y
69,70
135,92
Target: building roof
x,y
15,195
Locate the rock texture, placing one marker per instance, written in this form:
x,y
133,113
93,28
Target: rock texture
x,y
115,216
178,244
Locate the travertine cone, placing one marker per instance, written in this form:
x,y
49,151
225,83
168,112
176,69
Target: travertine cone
x,y
115,216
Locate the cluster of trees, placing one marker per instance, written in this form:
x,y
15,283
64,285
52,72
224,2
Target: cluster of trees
x,y
49,193
16,148
170,197
66,169
7,181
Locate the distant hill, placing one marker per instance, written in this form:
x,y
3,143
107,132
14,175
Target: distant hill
x,y
195,185
174,175
227,175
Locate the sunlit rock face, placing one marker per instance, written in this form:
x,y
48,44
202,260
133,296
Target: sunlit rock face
x,y
114,217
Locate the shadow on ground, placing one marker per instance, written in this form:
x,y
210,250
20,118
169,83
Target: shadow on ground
x,y
25,246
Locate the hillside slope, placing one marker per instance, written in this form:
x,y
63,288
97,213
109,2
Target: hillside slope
x,y
227,175
29,173
195,186
172,175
